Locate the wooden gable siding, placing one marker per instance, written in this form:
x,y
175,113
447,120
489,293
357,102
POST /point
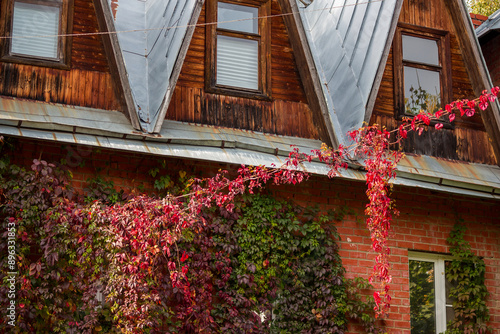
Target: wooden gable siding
x,y
287,113
468,141
87,83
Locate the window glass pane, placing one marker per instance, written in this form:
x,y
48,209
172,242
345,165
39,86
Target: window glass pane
x,y
230,12
422,299
237,62
35,20
421,50
422,90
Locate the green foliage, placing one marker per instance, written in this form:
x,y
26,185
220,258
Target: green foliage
x,y
266,267
55,250
419,100
483,7
285,272
165,183
467,272
358,307
99,189
292,262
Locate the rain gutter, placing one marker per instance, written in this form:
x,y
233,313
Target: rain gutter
x,y
235,153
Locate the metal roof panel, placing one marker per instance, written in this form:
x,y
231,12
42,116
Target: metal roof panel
x,y
347,98
365,38
377,25
355,29
164,46
347,45
151,52
327,43
251,157
345,18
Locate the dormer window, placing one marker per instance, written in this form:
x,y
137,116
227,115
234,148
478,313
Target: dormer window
x,y
238,48
422,69
35,29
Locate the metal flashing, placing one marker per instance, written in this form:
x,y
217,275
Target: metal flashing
x,y
491,24
253,149
479,75
347,44
151,36
115,59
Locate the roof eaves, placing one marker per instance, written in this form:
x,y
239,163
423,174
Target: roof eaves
x,y
53,116
452,180
111,130
493,23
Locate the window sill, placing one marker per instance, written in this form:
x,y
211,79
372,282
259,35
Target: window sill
x,y
238,92
59,64
446,124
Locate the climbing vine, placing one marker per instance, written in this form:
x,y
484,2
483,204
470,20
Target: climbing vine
x,y
265,266
373,143
466,273
161,263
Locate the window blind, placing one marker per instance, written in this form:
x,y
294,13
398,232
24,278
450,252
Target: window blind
x,y
35,20
237,62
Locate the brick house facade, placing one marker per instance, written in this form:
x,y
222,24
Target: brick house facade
x,y
436,189
425,221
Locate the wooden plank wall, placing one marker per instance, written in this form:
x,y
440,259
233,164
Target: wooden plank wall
x,y
88,83
286,114
469,140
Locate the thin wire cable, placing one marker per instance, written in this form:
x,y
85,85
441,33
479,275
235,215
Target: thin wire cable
x,y
185,26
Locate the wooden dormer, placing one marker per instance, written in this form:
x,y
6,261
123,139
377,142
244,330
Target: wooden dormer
x,y
276,104
430,23
71,70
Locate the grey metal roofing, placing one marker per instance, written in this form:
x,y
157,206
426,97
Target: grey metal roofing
x,y
150,48
111,130
27,114
492,23
347,39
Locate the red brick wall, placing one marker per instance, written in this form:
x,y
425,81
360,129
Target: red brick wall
x,y
128,171
478,19
490,45
425,221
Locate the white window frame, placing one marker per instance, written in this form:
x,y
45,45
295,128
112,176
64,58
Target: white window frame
x,y
439,284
